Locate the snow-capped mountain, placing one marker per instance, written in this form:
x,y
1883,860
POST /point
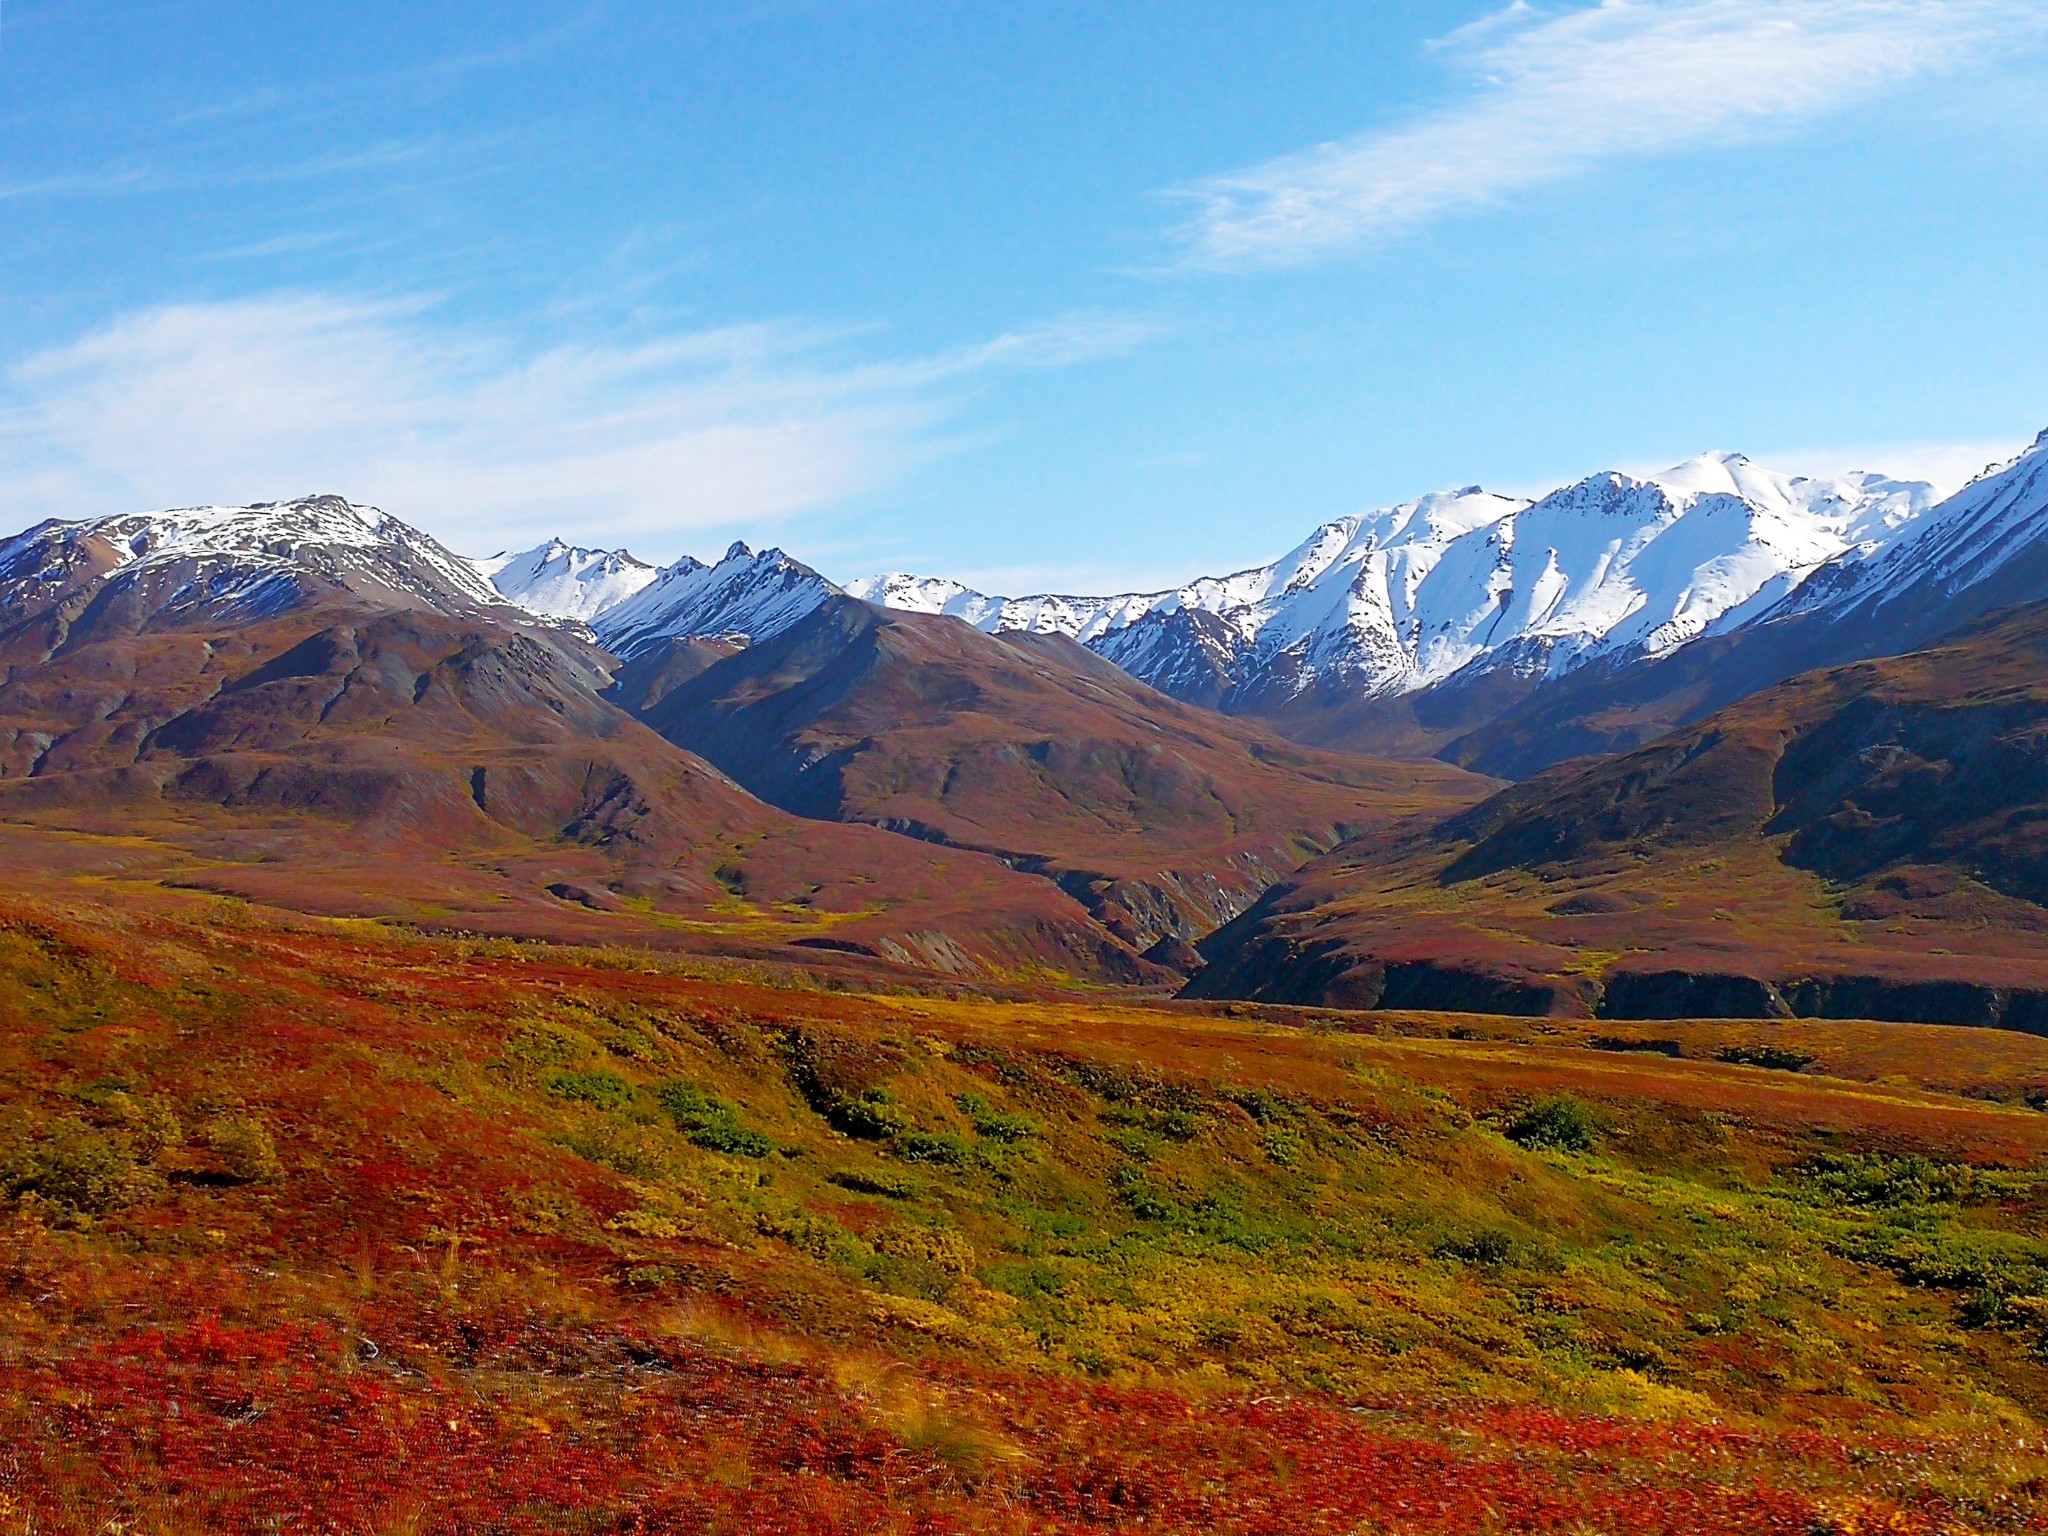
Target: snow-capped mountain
x,y
1983,548
1405,598
241,562
745,594
561,581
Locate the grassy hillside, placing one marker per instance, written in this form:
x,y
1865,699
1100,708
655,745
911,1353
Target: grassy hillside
x,y
323,1225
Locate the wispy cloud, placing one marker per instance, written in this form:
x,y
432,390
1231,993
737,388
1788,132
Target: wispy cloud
x,y
1948,467
1556,92
482,442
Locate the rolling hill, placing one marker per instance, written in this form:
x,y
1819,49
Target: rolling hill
x,y
1862,841
316,706
323,1226
1164,819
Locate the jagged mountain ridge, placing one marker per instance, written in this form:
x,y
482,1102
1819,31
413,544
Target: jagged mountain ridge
x,y
563,581
1983,549
1438,594
1402,600
747,595
1484,612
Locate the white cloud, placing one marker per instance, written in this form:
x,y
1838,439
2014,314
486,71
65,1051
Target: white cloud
x,y
1556,93
1946,466
459,431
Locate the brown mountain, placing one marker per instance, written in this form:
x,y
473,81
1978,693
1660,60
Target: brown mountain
x,y
1164,819
281,728
1869,840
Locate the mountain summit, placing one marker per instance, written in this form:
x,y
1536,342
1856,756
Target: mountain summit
x,y
244,562
561,581
1403,599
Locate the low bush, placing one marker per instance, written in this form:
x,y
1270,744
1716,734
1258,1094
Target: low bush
x,y
711,1122
872,1116
1559,1124
244,1147
1490,1247
1775,1057
72,1166
893,1186
1672,1048
605,1090
992,1123
942,1147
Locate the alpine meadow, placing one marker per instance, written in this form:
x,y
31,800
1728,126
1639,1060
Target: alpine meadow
x,y
1218,989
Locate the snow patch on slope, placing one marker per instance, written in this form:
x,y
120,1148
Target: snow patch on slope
x,y
251,559
746,594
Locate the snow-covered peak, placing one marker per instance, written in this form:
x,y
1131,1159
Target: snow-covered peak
x,y
563,581
254,559
1967,547
745,595
924,594
1401,598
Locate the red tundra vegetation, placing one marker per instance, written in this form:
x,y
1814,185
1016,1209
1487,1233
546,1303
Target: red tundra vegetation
x,y
317,1225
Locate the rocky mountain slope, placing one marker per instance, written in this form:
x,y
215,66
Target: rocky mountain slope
x,y
745,596
242,563
1864,841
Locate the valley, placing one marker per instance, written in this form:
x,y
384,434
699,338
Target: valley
x,y
553,1043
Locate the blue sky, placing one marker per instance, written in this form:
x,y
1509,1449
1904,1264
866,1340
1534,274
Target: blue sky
x,y
1034,294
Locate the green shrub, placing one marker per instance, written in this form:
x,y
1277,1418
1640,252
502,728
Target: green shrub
x,y
993,1124
1560,1124
1283,1147
1489,1247
711,1122
934,1147
605,1090
1982,1308
1025,1278
73,1166
150,1123
1775,1057
937,1246
1264,1107
873,1116
894,1186
818,1236
244,1147
1878,1179
1139,1197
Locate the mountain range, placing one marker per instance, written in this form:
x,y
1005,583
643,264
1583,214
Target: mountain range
x,y
1437,627
1719,739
